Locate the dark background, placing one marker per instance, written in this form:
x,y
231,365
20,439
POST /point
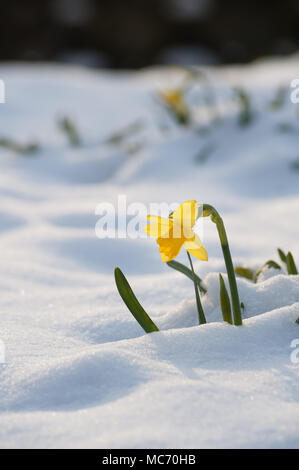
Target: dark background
x,y
137,33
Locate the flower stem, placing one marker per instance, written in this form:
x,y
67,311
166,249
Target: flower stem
x,y
201,315
215,217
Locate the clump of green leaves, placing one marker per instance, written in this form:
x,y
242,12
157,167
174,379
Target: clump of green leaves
x,y
287,260
10,144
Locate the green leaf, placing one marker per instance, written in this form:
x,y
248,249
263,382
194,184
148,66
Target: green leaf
x,y
119,136
279,99
225,302
269,264
245,272
245,113
204,154
291,266
132,303
201,315
70,130
9,144
183,269
282,255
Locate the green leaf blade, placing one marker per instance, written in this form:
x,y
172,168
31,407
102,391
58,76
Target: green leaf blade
x,y
291,266
184,270
132,302
282,255
244,272
270,264
225,302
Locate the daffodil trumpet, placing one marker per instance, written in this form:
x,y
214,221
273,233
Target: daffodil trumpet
x,y
208,210
175,232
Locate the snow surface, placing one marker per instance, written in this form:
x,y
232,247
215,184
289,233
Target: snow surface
x,y
79,370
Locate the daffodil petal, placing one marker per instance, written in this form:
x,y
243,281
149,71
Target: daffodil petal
x,y
199,253
194,243
156,230
186,214
196,248
159,220
160,228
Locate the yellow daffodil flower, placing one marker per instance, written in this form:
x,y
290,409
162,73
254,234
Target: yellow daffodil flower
x,y
174,100
173,97
177,231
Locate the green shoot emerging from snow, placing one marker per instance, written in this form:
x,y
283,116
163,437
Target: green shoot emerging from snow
x,y
67,126
10,144
287,260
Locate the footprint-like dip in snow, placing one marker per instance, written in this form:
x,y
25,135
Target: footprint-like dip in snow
x,y
88,380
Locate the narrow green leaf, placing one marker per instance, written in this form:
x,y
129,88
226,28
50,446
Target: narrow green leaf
x,y
245,272
70,130
269,264
117,137
245,113
279,99
183,269
132,303
9,144
201,315
291,266
272,264
282,255
225,302
204,154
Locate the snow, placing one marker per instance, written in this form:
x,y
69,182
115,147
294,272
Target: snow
x,y
79,370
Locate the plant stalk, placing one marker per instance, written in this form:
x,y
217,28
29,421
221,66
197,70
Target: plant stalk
x,y
201,315
215,217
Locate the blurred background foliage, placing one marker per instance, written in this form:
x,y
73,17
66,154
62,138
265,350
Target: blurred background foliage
x,y
137,33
